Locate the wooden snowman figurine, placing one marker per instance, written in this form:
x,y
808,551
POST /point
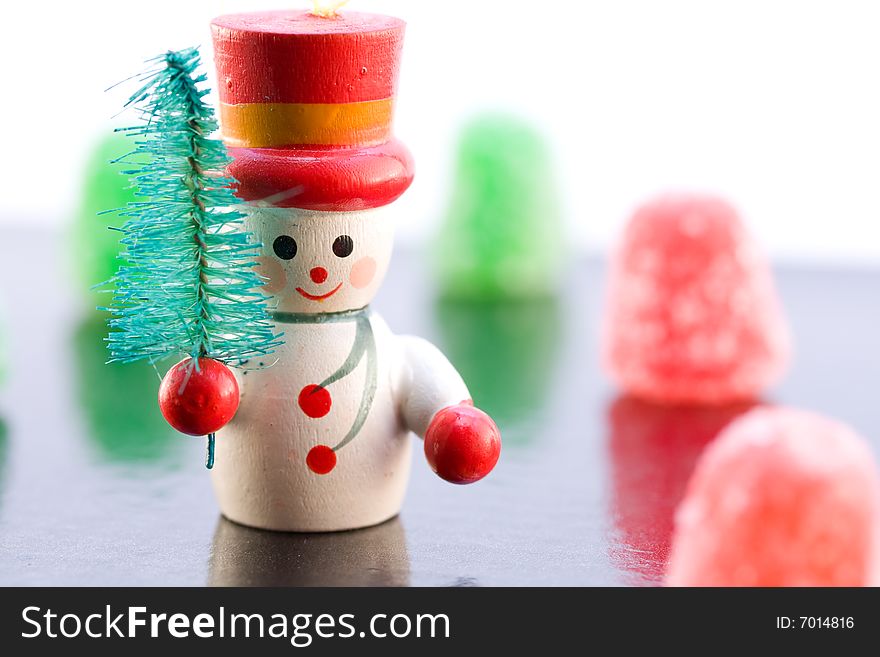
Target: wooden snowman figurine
x,y
320,440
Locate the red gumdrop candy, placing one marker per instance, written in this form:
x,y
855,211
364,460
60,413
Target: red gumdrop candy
x,y
198,401
462,444
692,312
782,498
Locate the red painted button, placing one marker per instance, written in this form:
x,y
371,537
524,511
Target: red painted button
x,y
318,274
315,401
321,459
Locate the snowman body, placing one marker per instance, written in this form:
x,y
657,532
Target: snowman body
x,y
274,469
262,477
321,441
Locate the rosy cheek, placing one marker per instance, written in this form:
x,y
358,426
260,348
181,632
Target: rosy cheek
x,y
362,272
272,270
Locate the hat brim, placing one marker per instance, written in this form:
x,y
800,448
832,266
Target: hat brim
x,y
328,179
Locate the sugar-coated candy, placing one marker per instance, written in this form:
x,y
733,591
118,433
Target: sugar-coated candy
x,y
502,237
93,253
783,497
692,311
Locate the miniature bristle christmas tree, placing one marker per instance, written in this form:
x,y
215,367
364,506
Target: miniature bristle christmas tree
x,y
187,284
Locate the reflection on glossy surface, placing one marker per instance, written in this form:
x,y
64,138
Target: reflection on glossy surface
x,y
653,450
119,400
506,352
542,519
375,556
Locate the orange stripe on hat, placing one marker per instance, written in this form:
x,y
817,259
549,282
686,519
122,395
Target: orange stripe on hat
x,y
273,125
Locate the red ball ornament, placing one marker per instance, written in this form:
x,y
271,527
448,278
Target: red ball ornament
x,y
199,401
462,444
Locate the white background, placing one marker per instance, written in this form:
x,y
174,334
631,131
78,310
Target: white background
x,y
774,104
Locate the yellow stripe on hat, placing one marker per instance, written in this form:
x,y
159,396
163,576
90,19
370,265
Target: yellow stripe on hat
x,y
266,125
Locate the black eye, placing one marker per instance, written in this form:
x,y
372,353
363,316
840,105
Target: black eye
x,y
343,246
284,247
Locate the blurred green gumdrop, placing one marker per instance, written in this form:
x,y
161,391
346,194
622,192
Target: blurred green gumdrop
x,y
4,449
119,401
93,246
507,353
502,237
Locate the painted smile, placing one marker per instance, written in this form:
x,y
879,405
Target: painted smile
x,y
319,297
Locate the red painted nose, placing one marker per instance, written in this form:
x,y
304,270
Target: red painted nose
x,y
318,274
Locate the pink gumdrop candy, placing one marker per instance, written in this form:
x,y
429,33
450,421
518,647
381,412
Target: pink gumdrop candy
x,y
782,498
692,312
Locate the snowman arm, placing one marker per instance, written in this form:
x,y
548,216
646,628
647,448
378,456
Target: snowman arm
x,y
462,443
426,382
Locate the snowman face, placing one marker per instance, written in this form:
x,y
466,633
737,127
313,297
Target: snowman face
x,y
321,262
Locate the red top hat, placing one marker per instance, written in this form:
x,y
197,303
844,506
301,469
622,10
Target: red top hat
x,y
306,108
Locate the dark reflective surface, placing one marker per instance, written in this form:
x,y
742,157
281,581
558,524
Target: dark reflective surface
x,y
375,556
95,490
